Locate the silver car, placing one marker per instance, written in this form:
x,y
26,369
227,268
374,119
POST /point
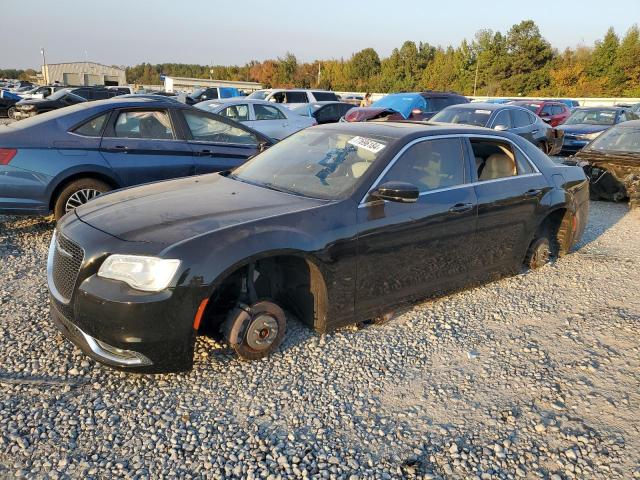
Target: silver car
x,y
272,120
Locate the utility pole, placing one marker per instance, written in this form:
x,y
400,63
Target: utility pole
x,y
319,66
475,82
44,67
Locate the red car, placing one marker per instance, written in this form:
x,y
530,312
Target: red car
x,y
554,113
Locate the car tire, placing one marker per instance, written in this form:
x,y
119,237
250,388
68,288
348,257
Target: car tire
x,y
255,331
543,147
539,253
77,193
11,113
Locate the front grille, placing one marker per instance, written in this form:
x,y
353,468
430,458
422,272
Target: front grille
x,y
67,259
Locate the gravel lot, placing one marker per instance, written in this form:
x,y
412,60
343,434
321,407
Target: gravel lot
x,y
534,376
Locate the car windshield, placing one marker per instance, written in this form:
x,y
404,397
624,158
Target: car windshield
x,y
315,163
58,95
468,116
259,94
401,103
306,109
618,139
592,117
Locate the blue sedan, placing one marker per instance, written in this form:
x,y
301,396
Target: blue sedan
x,y
59,160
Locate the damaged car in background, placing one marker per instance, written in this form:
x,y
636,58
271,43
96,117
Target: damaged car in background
x,y
612,164
337,224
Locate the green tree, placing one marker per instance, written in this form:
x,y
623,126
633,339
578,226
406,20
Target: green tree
x,y
625,77
364,66
604,55
529,55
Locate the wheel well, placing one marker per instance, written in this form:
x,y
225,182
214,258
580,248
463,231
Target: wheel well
x,y
293,282
559,226
77,176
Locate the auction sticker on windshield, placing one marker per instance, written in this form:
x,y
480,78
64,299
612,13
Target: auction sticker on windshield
x,y
483,112
367,144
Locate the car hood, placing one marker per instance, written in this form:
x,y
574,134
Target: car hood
x,y
175,210
582,128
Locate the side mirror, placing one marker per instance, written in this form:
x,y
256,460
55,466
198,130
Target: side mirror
x,y
402,192
501,128
262,146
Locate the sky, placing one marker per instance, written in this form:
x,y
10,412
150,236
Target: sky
x,y
118,32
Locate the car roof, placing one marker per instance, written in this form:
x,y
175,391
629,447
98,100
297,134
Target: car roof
x,y
403,129
613,109
487,106
233,100
628,123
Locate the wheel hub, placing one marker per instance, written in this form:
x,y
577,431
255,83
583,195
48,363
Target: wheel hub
x,y
80,198
541,255
262,331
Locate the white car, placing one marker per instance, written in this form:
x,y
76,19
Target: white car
x,y
272,120
295,97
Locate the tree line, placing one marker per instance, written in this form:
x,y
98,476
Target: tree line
x,y
519,63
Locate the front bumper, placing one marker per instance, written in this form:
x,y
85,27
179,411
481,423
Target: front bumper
x,y
573,145
111,322
100,351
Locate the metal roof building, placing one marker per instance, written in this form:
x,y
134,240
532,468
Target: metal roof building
x,y
184,84
83,73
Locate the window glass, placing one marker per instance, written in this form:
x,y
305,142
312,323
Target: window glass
x,y
622,138
503,118
438,103
319,163
547,110
430,165
496,159
209,129
267,112
237,113
140,124
623,117
520,118
328,112
92,128
296,97
325,96
466,116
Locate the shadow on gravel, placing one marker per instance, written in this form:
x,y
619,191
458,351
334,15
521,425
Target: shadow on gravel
x,y
12,229
602,217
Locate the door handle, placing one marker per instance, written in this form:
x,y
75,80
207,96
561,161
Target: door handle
x,y
204,153
532,192
118,148
461,207
535,131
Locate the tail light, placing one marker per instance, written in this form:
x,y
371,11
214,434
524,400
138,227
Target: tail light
x,y
6,155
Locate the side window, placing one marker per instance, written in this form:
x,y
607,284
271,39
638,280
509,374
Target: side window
x,y
328,112
503,118
296,97
438,103
430,165
210,94
623,117
267,112
92,128
496,159
277,97
520,118
207,129
153,125
325,96
547,110
237,113
82,92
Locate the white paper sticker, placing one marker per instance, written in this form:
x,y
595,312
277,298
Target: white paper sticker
x,y
486,112
367,144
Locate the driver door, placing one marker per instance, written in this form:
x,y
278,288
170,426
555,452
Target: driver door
x,y
411,250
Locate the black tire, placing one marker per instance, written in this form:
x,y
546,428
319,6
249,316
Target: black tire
x,y
11,113
539,253
82,189
543,147
256,331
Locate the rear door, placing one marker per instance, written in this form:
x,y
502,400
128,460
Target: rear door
x,y
143,145
270,120
216,142
508,187
524,124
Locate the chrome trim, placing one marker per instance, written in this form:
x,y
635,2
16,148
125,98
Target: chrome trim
x,y
52,288
456,187
451,135
135,359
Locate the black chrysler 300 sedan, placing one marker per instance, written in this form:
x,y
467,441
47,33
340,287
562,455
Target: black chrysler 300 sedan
x,y
337,224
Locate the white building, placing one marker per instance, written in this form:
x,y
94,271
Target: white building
x,y
184,84
83,73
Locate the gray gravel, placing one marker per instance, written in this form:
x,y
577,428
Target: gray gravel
x,y
534,376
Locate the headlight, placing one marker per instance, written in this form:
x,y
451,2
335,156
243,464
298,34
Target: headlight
x,y
150,274
27,107
591,136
